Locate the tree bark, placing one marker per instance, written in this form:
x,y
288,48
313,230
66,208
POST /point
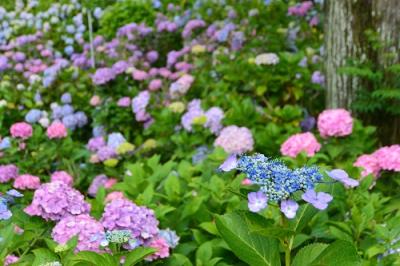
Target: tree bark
x,y
345,23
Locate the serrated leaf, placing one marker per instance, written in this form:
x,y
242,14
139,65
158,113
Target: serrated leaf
x,y
308,254
43,255
252,248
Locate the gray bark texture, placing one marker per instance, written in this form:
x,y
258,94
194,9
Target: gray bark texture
x,y
345,24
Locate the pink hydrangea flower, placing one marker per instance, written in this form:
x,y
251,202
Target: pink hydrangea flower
x,y
114,195
235,140
83,225
56,200
385,158
21,130
162,247
124,102
110,182
122,214
335,123
302,142
27,182
388,158
8,172
56,130
62,176
10,259
95,100
155,84
139,75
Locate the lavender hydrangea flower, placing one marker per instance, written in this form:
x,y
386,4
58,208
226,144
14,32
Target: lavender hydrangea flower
x,y
5,143
229,164
289,208
257,201
319,200
103,75
341,176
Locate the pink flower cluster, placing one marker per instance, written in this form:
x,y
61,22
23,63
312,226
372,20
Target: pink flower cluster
x,y
235,140
21,130
335,123
162,247
122,214
56,200
385,158
300,142
62,176
8,172
56,130
27,182
300,9
10,259
82,225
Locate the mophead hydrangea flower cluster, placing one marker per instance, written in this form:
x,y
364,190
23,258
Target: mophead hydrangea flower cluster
x,y
385,158
56,200
335,123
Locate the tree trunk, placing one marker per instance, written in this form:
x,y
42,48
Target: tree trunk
x,y
344,40
387,20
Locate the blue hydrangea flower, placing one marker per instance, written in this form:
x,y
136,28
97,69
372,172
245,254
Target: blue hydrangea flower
x,y
5,143
33,116
5,213
170,236
66,98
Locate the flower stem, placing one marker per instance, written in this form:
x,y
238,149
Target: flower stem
x,y
287,256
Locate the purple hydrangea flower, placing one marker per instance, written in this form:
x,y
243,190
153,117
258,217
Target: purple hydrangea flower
x,y
8,172
289,208
96,143
56,200
318,78
82,225
257,201
122,214
103,75
98,181
341,176
214,116
105,153
319,200
307,124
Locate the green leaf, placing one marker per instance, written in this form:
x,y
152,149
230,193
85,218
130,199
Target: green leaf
x,y
204,252
43,255
172,186
178,260
191,207
340,252
305,213
92,259
259,225
137,255
308,254
252,248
